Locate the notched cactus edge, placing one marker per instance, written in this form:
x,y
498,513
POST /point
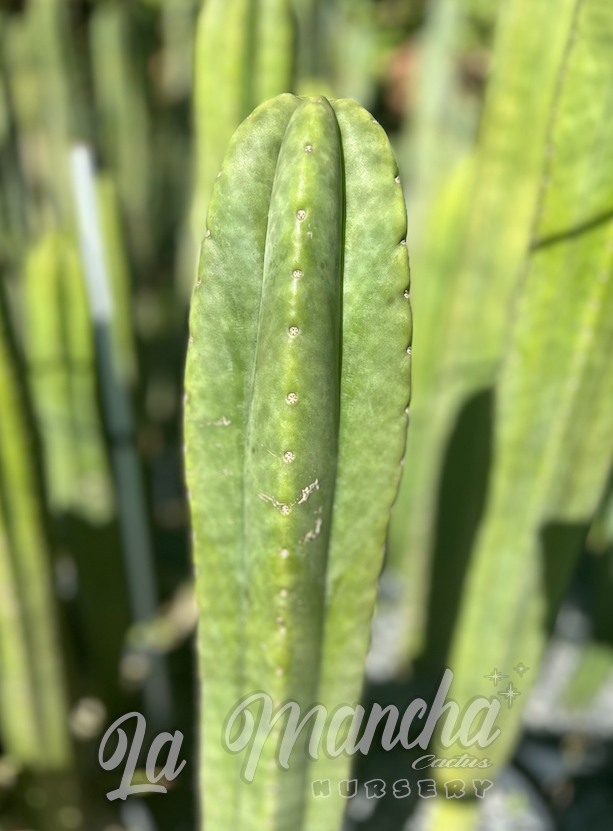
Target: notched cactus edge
x,y
297,388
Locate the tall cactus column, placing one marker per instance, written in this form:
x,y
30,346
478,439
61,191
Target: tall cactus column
x,y
297,384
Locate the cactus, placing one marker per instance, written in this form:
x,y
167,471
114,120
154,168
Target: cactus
x,y
553,443
489,205
18,722
243,56
58,106
297,383
60,355
27,603
441,126
48,369
124,128
177,24
336,48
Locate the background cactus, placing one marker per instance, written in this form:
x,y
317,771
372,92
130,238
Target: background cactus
x,y
62,375
243,56
488,206
35,733
551,457
289,508
123,117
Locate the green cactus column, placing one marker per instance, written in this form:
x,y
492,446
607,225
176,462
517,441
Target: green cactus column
x,y
244,55
297,384
471,256
123,118
59,347
27,602
553,438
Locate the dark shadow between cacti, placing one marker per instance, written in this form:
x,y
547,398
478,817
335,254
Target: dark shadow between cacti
x,y
461,500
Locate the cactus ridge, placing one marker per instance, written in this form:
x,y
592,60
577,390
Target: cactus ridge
x,y
297,384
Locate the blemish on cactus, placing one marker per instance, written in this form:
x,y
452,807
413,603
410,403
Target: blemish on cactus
x,y
306,492
315,532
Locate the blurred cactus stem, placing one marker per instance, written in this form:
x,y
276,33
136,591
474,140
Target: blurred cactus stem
x,y
297,384
244,55
471,254
123,117
553,442
34,708
60,353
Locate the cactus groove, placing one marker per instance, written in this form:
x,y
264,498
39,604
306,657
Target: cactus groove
x,y
297,384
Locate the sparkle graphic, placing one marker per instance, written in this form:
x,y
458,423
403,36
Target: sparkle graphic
x,y
510,693
520,669
495,677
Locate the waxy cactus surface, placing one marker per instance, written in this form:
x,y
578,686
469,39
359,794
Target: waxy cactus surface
x,y
297,386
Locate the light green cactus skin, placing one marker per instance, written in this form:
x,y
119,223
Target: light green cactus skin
x,y
243,56
464,305
92,490
441,127
60,355
18,720
26,583
297,383
553,439
48,371
48,27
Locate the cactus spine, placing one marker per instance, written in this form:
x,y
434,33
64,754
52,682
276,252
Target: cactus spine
x,y
300,328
